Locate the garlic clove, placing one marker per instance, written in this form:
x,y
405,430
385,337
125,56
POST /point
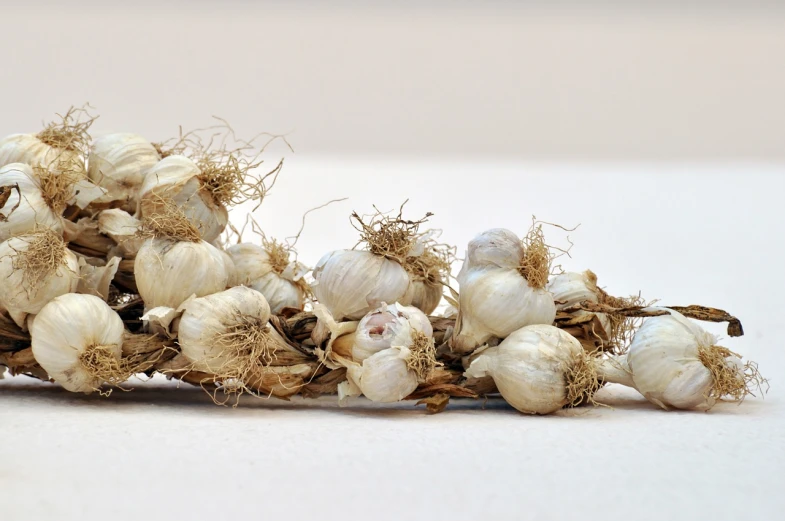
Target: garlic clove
x,y
386,327
384,376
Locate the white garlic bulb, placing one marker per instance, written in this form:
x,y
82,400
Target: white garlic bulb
x,y
78,340
35,268
388,326
538,369
167,272
22,205
177,178
119,163
496,299
214,330
569,289
350,283
675,363
30,149
123,228
280,281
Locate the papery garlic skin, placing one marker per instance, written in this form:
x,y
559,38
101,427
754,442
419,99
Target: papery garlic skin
x,y
177,178
384,376
65,328
17,294
494,302
529,367
663,358
204,318
25,208
123,228
570,289
495,298
119,163
252,268
30,150
350,283
168,272
386,327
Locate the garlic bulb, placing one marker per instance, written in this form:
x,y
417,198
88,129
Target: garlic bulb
x,y
675,363
168,272
393,373
78,340
35,268
22,204
538,369
274,276
569,289
214,330
351,283
119,163
178,178
32,150
123,228
388,326
496,296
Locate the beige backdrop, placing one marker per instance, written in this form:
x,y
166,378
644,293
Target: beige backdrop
x,y
591,80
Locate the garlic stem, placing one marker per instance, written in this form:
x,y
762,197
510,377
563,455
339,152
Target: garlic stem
x,y
615,370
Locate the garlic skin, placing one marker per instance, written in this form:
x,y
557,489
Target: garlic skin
x,y
18,295
386,327
119,163
122,227
168,272
569,289
350,283
529,367
203,318
30,150
177,178
252,268
384,377
65,328
666,369
24,208
495,299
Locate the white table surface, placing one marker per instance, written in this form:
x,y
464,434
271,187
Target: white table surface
x,y
685,234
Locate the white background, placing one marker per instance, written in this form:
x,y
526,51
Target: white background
x,y
659,131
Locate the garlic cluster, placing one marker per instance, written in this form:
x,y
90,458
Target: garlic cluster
x,y
178,178
674,363
538,369
271,273
78,341
119,163
496,297
393,353
350,283
35,268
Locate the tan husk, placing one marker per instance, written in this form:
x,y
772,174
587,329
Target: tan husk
x,y
622,328
422,355
168,222
44,254
57,187
729,381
